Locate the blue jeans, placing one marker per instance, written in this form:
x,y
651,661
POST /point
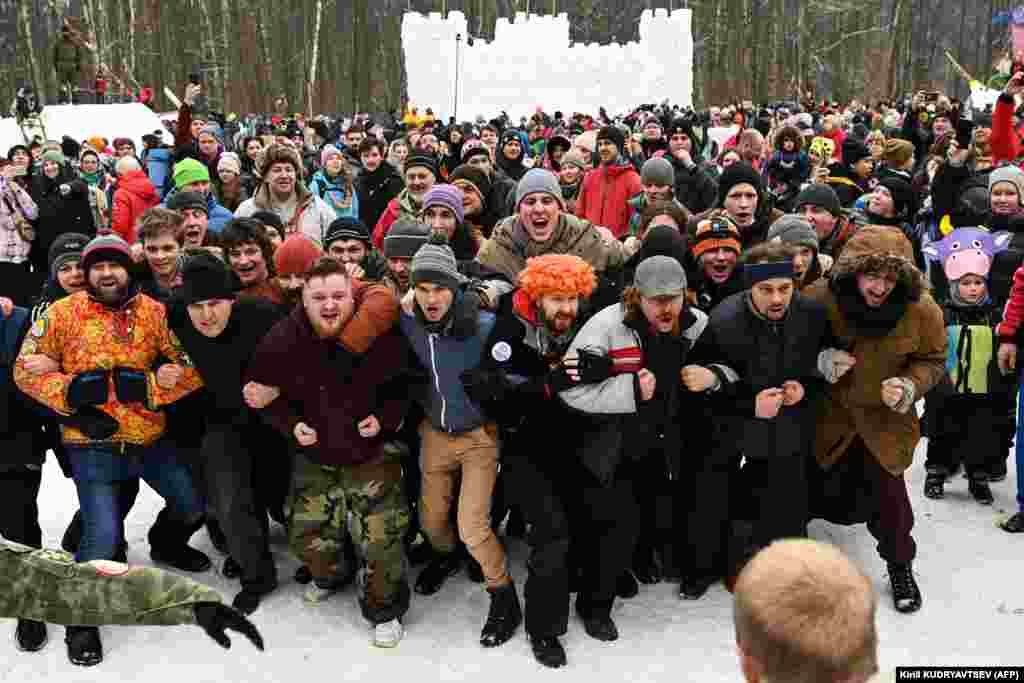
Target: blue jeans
x,y
99,471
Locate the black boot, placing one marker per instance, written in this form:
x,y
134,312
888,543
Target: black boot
x,y
73,534
437,572
694,587
503,618
980,490
84,645
1014,525
906,596
217,537
303,575
248,599
997,470
934,485
168,544
548,651
626,585
597,623
231,569
30,635
645,566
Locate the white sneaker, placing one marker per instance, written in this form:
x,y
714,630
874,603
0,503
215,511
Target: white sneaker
x,y
388,634
315,593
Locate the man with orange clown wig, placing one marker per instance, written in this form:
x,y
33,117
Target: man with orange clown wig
x,y
524,366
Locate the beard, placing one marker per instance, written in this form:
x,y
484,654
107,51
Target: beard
x,y
110,296
327,329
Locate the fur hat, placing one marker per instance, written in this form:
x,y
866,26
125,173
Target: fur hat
x,y
281,154
557,273
880,249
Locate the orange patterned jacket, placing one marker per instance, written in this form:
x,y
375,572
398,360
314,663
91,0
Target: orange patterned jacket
x,y
83,334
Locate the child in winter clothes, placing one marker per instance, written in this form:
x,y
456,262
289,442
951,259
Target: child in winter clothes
x,y
970,428
333,183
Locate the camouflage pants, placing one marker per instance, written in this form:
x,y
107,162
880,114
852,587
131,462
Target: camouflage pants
x,y
322,498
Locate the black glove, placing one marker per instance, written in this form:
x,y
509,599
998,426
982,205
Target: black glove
x,y
374,267
215,618
92,422
484,385
131,385
557,380
88,389
593,367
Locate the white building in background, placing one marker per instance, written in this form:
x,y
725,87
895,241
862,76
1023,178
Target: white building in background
x,y
531,63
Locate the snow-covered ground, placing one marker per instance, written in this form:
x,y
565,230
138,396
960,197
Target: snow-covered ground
x,y
969,572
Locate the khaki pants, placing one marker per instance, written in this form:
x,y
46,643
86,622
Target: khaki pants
x,y
474,456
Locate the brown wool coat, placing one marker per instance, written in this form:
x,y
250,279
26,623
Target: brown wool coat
x,y
915,349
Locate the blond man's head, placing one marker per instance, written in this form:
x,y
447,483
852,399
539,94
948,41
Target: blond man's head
x,y
804,613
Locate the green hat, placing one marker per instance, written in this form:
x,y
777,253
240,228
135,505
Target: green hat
x,y
55,156
188,171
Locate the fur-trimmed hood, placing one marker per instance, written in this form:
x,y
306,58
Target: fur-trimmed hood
x,y
879,248
789,133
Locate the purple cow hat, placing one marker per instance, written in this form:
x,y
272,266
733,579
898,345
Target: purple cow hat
x,y
967,251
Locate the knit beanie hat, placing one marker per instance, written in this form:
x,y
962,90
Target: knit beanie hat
x,y
817,194
97,142
717,232
296,255
663,240
793,229
205,277
472,148
573,158
188,171
106,248
214,131
737,174
614,135
902,193
1007,174
660,276
65,249
435,263
422,160
448,196
55,156
538,180
658,171
474,176
346,228
188,200
897,151
328,152
854,150
229,161
405,238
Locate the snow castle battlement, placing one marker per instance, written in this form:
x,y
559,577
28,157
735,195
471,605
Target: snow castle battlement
x,y
532,62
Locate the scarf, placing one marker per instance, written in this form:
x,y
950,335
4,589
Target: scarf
x,y
869,321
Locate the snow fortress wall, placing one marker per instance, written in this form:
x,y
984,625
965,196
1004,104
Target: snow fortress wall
x,y
531,63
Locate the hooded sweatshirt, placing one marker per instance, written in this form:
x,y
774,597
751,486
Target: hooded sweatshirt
x,y
135,193
605,194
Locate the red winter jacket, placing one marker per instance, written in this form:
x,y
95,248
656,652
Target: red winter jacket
x,y
605,194
1013,312
135,193
1006,142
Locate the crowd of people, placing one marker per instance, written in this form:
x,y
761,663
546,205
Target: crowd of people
x,y
682,335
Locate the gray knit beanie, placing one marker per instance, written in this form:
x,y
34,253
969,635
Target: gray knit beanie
x,y
434,262
538,180
405,238
658,171
793,229
1008,174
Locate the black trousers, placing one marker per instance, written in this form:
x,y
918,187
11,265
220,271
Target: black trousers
x,y
230,471
19,511
858,489
543,496
778,493
973,430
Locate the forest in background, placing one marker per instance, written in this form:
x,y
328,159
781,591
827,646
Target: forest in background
x,y
341,56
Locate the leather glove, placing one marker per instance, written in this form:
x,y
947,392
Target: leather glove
x,y
131,385
92,422
215,618
593,367
88,389
484,385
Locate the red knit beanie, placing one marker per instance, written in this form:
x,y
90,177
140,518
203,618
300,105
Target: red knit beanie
x,y
296,255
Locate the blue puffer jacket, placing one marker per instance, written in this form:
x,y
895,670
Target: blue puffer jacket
x,y
218,215
445,357
343,202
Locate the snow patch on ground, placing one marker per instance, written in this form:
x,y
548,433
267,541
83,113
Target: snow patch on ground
x,y
968,569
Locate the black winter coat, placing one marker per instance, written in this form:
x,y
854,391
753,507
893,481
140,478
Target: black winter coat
x,y
766,354
375,190
58,214
21,435
695,188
